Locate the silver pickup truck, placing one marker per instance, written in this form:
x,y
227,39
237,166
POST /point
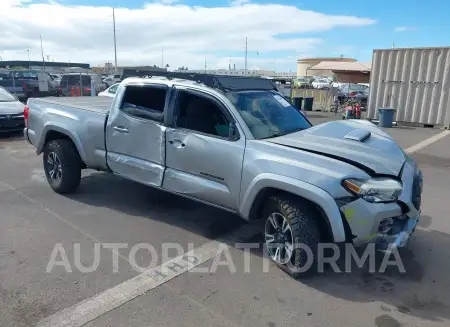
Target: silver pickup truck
x,y
237,144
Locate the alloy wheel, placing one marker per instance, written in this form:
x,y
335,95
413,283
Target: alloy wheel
x,y
279,238
54,167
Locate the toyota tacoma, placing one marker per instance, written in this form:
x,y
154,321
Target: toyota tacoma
x,y
235,143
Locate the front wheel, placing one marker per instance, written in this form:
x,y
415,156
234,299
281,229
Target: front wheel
x,y
62,165
291,234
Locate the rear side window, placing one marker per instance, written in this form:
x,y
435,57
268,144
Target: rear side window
x,y
145,101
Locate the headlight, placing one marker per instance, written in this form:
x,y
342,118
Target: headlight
x,y
375,190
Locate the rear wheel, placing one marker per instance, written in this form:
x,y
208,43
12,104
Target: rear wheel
x,y
291,234
62,165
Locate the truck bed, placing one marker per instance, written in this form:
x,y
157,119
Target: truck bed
x,y
80,118
95,104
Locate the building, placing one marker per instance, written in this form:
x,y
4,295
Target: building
x,y
51,66
304,64
109,68
242,72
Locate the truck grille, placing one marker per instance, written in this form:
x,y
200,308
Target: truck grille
x,y
11,122
417,190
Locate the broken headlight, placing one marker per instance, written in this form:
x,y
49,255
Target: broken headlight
x,y
375,190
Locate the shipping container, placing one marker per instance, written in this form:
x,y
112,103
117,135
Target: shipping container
x,y
415,82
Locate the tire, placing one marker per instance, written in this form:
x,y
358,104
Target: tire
x,y
301,217
69,162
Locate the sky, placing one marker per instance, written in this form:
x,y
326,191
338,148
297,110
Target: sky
x,y
191,32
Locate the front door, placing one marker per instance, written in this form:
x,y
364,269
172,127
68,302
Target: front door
x,y
135,134
203,153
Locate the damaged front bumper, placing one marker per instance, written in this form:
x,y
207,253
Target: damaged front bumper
x,y
382,224
388,225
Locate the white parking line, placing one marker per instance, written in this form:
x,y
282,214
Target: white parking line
x,y
94,307
427,142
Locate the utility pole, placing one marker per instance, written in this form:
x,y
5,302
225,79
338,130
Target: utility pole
x,y
162,58
393,44
42,52
205,65
28,50
115,46
245,56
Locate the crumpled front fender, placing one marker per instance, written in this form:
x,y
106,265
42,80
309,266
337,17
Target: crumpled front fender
x,y
300,188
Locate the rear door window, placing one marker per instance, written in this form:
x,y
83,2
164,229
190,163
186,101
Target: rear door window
x,y
145,101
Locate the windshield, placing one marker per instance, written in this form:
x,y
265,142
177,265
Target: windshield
x,y
25,74
5,96
267,114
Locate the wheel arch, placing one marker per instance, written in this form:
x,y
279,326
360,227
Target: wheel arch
x,y
53,132
266,185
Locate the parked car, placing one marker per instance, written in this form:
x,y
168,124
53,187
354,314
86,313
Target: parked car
x,y
321,83
56,79
110,91
111,79
357,92
301,82
237,144
72,81
29,83
108,81
11,112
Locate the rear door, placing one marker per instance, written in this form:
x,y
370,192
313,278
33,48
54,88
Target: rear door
x,y
135,134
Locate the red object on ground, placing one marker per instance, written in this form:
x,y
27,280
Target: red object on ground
x,y
26,111
358,111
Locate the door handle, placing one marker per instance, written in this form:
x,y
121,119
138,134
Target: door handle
x,y
177,143
120,129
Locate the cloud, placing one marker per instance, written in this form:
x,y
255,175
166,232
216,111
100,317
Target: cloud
x,y
187,34
236,3
166,2
404,28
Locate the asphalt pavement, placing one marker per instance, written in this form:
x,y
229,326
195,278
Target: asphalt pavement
x,y
48,243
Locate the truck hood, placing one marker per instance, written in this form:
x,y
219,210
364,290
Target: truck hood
x,y
358,142
12,108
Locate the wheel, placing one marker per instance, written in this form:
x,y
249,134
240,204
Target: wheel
x,y
291,234
62,165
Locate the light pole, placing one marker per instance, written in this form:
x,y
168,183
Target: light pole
x,y
28,50
246,56
115,46
42,53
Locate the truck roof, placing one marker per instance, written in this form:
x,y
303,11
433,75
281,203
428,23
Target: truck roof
x,y
222,82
